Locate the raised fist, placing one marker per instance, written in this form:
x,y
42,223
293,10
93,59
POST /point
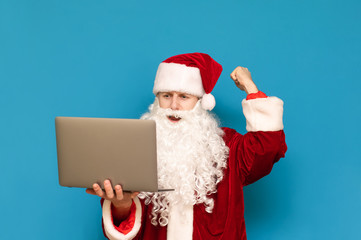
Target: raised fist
x,y
243,80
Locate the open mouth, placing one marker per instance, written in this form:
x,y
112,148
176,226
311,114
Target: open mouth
x,y
174,119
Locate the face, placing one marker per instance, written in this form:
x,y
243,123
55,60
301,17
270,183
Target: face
x,y
176,101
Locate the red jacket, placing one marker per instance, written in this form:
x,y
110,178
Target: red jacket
x,y
251,157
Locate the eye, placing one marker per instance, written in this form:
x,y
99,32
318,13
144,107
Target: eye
x,y
184,97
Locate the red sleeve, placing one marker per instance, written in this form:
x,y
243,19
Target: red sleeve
x,y
258,94
127,224
255,152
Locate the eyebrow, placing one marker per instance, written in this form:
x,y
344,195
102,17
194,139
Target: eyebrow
x,y
169,93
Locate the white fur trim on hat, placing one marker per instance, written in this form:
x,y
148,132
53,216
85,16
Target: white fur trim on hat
x,y
114,234
208,102
179,78
263,114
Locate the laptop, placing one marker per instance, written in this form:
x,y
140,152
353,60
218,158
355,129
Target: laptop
x,y
91,150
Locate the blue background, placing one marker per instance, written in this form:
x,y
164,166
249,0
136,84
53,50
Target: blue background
x,y
99,58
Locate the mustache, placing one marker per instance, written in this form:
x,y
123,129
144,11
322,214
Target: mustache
x,y
183,114
169,112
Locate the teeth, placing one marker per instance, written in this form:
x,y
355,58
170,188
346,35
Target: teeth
x,y
173,118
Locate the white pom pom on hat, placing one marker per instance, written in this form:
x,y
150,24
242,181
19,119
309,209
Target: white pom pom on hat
x,y
192,73
208,101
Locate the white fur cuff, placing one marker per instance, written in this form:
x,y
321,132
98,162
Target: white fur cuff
x,y
263,114
114,234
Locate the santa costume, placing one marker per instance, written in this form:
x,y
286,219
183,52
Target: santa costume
x,y
208,180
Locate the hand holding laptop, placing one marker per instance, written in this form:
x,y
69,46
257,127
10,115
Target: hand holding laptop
x,y
121,201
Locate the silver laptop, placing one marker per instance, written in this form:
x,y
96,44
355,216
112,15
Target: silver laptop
x,y
91,150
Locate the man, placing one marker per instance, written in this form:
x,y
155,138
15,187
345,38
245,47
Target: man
x,y
205,164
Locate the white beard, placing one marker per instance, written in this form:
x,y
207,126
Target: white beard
x,y
191,159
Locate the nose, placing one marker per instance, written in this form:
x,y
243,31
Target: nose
x,y
174,104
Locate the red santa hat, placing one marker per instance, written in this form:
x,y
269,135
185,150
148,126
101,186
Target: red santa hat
x,y
192,73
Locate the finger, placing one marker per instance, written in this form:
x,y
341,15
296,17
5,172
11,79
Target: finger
x,y
90,191
98,191
238,69
233,75
119,192
134,194
108,189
